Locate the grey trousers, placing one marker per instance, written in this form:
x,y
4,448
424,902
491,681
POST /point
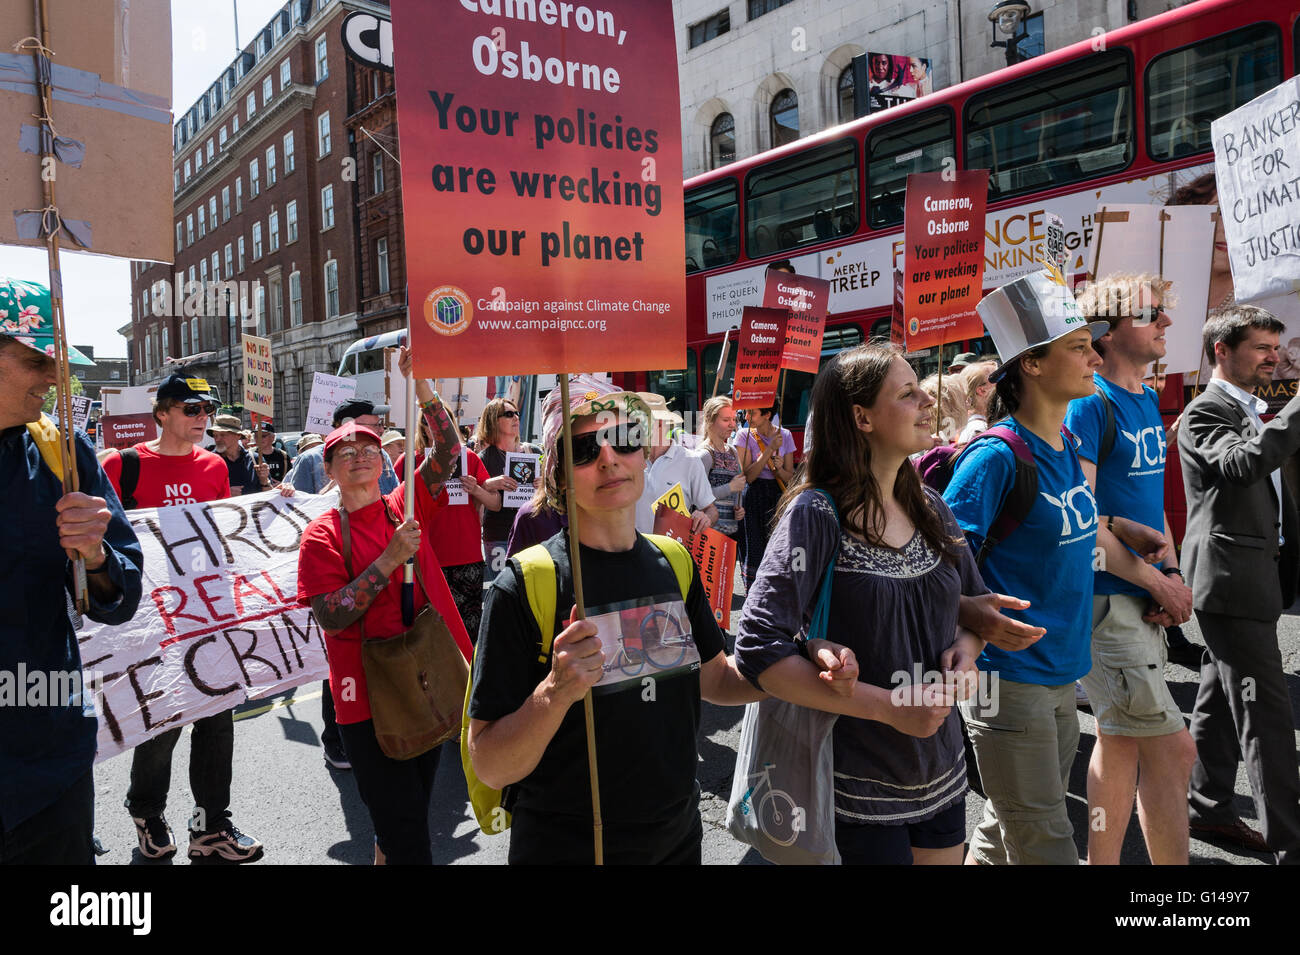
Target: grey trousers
x,y
1243,707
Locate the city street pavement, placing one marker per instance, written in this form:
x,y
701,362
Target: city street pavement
x,y
306,813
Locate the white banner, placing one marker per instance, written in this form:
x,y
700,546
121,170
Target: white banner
x,y
327,393
1256,148
218,623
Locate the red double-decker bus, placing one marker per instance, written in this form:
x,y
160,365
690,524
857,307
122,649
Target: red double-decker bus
x,y
1123,117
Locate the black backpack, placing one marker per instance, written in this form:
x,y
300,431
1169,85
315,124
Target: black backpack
x,y
129,478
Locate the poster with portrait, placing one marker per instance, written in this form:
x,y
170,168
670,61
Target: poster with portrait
x,y
893,79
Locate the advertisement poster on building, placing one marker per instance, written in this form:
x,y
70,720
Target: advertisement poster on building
x,y
943,256
893,79
758,357
544,212
804,299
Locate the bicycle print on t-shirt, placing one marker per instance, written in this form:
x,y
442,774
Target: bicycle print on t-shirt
x,y
648,637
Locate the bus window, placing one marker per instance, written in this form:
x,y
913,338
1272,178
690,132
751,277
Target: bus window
x,y
1188,89
917,144
711,355
810,197
797,399
679,388
370,360
348,367
1065,125
712,225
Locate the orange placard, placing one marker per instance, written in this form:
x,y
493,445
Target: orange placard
x,y
542,186
804,299
714,554
758,357
943,256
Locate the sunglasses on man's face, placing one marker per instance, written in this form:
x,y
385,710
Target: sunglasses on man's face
x,y
1148,315
199,408
586,447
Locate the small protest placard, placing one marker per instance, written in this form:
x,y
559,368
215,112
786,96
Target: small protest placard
x,y
804,299
80,411
1255,150
714,554
674,499
326,393
943,256
259,377
523,468
124,430
758,357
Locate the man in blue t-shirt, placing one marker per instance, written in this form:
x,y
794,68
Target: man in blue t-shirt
x,y
1139,726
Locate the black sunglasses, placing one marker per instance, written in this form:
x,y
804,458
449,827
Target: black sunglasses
x,y
193,410
508,414
1147,315
586,447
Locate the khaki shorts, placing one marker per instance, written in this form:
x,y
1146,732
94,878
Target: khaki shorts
x,y
1126,685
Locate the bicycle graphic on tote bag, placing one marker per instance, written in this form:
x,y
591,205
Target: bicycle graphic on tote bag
x,y
778,817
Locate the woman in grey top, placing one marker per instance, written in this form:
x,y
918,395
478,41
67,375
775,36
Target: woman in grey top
x,y
901,569
717,423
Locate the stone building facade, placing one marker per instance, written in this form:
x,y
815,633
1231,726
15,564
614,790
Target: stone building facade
x,y
266,203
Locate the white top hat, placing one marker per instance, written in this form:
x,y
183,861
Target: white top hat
x,y
1035,309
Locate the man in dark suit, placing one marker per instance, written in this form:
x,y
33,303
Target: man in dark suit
x,y
1240,555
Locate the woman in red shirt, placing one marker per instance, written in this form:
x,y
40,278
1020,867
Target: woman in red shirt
x,y
456,531
350,605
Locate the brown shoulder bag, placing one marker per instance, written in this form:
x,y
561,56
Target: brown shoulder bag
x,y
415,680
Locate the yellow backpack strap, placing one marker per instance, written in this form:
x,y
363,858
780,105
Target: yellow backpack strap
x,y
539,583
679,557
49,443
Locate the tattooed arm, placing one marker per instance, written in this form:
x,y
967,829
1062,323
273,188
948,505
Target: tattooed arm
x,y
440,461
337,611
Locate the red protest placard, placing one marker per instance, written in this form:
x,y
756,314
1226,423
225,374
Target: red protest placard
x,y
758,357
543,186
943,256
714,554
804,299
125,430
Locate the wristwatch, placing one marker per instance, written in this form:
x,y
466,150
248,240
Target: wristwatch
x,y
1170,571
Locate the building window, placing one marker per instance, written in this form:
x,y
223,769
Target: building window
x,y
291,221
239,194
722,141
377,173
268,89
212,149
270,166
203,271
251,104
259,309
221,138
234,124
187,170
295,299
185,338
230,260
759,7
254,179
166,346
381,263
376,85
203,228
179,236
288,153
216,266
212,211
241,253
257,241
331,289
327,208
322,63
194,332
198,159
322,135
277,306
784,118
844,95
176,180
273,231
225,203
285,78
189,229
706,30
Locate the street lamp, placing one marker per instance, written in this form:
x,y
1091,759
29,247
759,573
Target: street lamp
x,y
1008,17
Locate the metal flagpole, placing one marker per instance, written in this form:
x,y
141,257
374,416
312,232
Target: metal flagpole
x,y
575,561
51,224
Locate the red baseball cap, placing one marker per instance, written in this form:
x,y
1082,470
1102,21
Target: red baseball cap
x,y
348,432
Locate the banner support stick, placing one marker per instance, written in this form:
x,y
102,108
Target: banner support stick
x,y
575,561
412,423
722,362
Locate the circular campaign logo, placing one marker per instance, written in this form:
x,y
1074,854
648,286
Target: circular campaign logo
x,y
914,326
448,311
